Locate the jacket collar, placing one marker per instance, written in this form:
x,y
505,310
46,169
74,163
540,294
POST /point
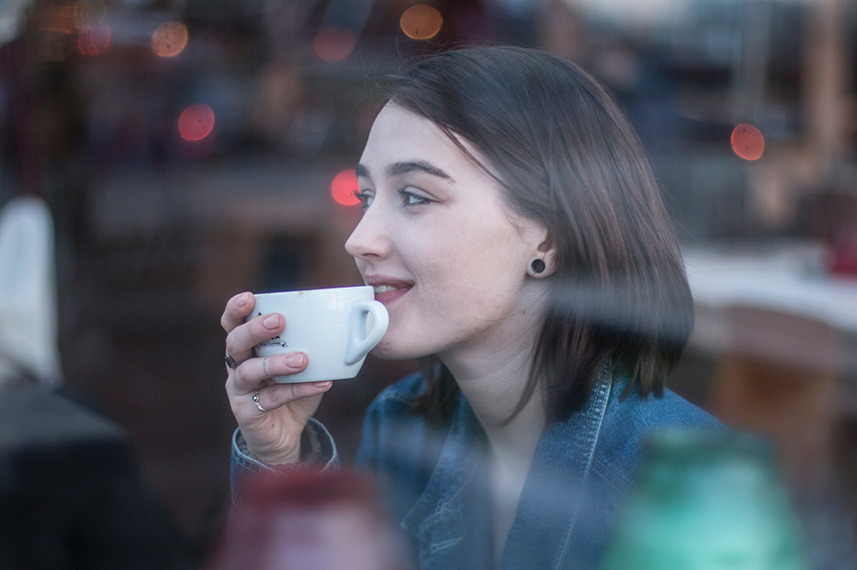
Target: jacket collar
x,y
454,510
439,518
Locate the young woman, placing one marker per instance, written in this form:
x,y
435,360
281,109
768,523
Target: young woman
x,y
515,233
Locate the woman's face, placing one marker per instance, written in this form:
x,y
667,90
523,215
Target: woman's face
x,y
444,252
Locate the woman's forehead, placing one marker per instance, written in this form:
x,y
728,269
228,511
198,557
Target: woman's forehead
x,y
399,130
400,139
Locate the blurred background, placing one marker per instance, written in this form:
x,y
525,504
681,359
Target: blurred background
x,y
193,149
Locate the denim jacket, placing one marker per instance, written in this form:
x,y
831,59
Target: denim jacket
x,y
581,471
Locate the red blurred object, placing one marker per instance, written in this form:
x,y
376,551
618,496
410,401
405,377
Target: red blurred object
x,y
333,43
94,40
196,122
304,519
748,142
344,186
843,259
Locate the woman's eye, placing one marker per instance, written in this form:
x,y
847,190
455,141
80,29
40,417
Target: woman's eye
x,y
365,199
411,199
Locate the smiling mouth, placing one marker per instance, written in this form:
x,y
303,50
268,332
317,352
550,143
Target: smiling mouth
x,y
389,292
384,288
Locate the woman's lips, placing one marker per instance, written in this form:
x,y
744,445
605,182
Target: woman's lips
x,y
389,292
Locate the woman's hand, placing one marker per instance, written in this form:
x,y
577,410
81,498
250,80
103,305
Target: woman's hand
x,y
272,436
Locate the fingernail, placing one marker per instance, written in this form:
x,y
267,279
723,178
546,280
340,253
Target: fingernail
x,y
295,360
320,385
271,321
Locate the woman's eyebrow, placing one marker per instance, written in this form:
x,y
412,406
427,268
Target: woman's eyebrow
x,y
362,172
399,168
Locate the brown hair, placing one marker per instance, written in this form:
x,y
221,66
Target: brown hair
x,y
565,154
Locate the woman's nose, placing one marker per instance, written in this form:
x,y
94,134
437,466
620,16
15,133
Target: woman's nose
x,y
370,239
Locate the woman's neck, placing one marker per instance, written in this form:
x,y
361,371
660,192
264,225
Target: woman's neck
x,y
493,379
493,385
493,373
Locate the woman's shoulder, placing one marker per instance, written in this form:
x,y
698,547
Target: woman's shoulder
x,y
627,407
669,410
629,420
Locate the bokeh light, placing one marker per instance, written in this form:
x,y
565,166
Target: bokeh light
x,y
421,22
94,40
748,142
82,14
344,186
333,43
57,17
196,122
169,39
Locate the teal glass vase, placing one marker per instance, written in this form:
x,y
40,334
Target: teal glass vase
x,y
707,500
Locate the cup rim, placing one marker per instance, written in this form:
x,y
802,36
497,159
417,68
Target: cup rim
x,y
312,291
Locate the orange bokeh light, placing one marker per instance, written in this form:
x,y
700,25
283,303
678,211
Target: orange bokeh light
x,y
333,43
748,142
421,22
169,39
94,40
344,186
57,17
196,122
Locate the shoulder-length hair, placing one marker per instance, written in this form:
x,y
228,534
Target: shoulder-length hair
x,y
565,154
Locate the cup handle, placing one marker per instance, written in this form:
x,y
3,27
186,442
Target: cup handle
x,y
359,347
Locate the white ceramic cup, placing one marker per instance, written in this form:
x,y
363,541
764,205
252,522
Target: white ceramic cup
x,y
332,326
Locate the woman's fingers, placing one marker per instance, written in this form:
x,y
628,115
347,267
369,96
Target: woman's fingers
x,y
247,377
276,395
273,438
242,339
237,308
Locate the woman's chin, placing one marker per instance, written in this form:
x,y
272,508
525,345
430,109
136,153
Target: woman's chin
x,y
390,351
387,353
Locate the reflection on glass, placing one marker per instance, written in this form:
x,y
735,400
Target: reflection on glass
x,y
310,520
707,500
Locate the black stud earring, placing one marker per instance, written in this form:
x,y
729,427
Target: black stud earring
x,y
537,266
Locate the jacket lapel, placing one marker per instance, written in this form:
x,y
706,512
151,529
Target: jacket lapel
x,y
550,502
451,519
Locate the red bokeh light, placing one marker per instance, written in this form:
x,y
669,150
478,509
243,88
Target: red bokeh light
x,y
196,122
333,43
343,187
94,40
748,142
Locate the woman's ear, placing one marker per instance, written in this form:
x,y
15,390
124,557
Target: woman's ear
x,y
544,259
